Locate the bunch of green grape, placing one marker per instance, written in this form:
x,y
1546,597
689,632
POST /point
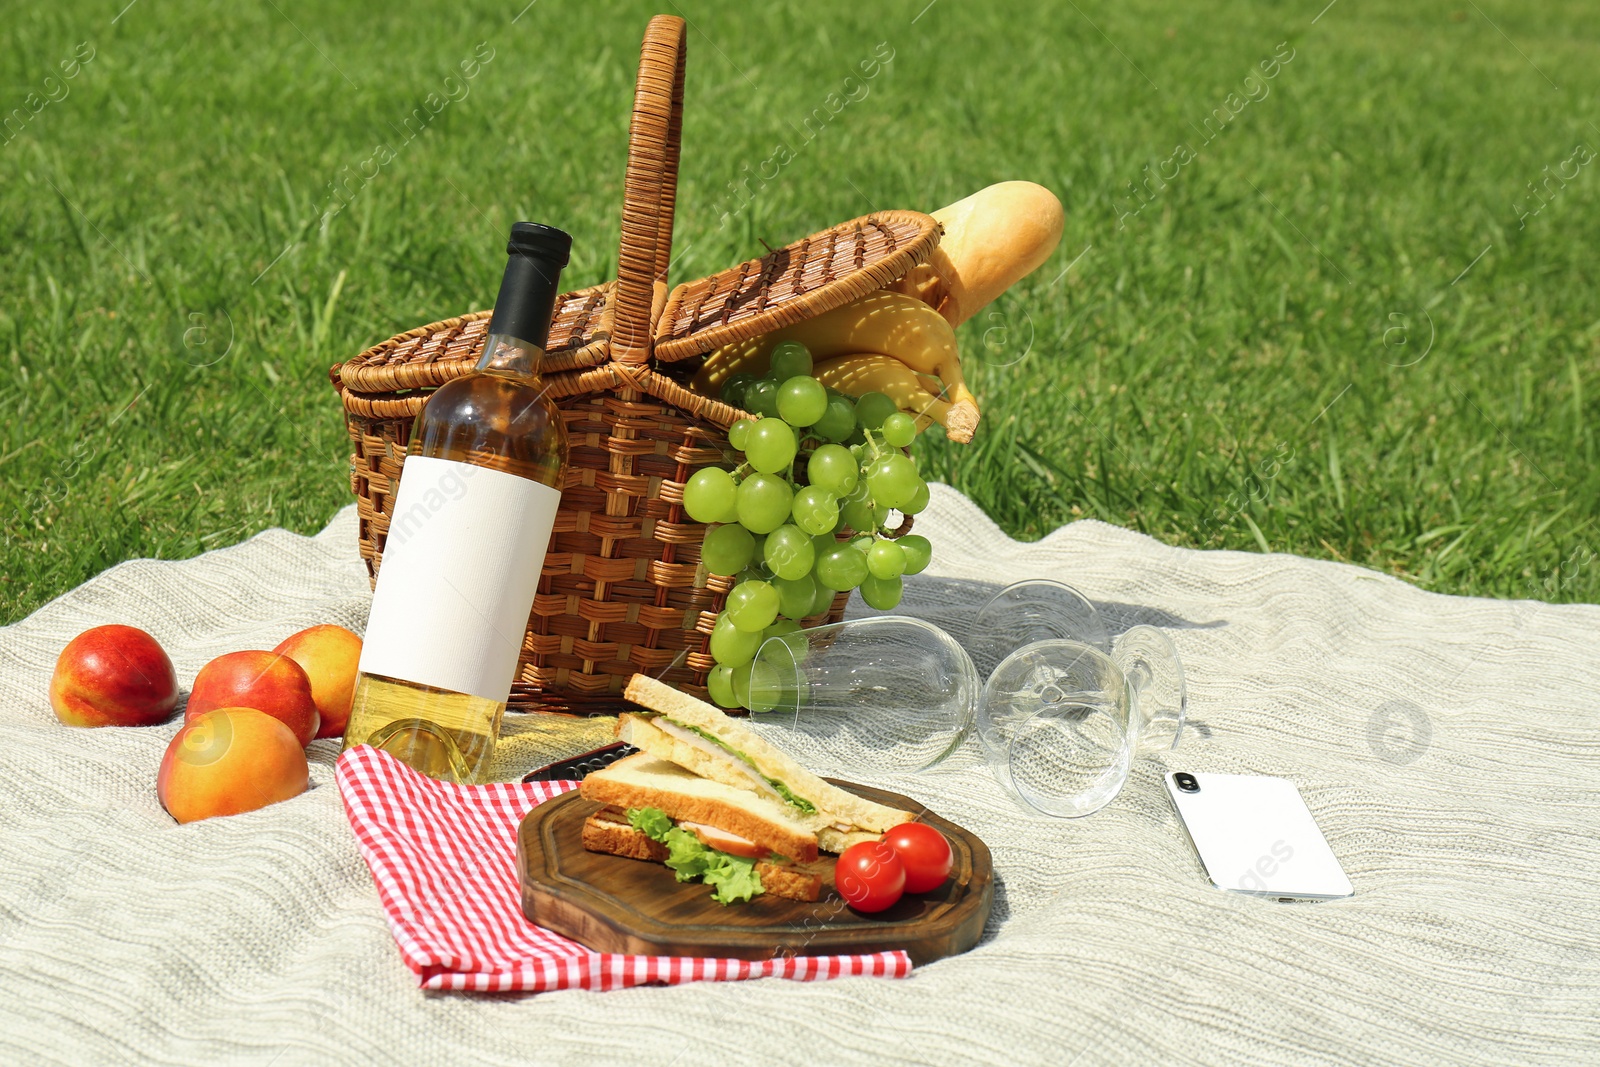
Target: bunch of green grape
x,y
816,463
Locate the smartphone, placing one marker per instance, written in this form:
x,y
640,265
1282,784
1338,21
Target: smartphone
x,y
1255,835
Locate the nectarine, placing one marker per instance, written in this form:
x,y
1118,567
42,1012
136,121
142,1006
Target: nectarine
x,y
266,681
329,655
230,760
113,676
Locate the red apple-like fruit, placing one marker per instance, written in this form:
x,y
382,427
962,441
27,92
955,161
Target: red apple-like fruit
x,y
265,681
113,676
228,761
329,656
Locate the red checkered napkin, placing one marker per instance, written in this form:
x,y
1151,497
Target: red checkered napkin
x,y
445,860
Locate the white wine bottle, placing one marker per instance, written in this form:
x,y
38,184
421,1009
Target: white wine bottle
x,y
467,536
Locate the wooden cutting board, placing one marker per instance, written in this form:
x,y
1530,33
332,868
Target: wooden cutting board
x,y
612,904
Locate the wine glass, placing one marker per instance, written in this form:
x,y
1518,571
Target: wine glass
x,y
888,693
1063,713
1061,720
1038,609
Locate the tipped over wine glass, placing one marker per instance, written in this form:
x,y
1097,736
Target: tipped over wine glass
x,y
1061,708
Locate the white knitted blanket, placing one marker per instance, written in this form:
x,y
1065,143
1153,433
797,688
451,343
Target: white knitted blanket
x,y
1450,749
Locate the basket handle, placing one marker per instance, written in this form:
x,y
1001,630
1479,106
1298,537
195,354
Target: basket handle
x,y
650,190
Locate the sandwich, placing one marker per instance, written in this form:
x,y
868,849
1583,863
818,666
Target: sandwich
x,y
712,799
735,841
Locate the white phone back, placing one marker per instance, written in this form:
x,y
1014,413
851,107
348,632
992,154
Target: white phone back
x,y
1255,835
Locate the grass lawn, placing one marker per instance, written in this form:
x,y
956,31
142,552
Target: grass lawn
x,y
1349,315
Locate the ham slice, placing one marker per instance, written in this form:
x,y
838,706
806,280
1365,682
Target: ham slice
x,y
695,741
723,841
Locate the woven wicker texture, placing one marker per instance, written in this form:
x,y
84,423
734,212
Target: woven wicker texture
x,y
429,356
622,589
797,282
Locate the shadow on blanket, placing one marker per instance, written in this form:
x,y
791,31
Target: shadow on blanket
x,y
952,604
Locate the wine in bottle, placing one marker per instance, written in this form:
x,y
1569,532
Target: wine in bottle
x,y
467,536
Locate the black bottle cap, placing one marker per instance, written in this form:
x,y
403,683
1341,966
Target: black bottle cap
x,y
532,280
541,242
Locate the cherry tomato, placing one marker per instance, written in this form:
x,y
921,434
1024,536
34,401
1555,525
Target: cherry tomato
x,y
924,852
870,876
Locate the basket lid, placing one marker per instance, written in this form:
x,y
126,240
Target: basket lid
x,y
431,355
799,281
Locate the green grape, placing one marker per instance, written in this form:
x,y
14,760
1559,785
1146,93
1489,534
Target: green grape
x,y
739,433
764,688
815,510
824,602
733,390
720,685
881,593
731,646
761,397
833,469
862,515
788,552
802,401
873,408
919,502
764,502
709,494
899,429
789,360
858,436
893,480
885,560
781,628
917,550
727,549
798,650
841,569
824,543
752,606
771,446
838,421
795,596
741,684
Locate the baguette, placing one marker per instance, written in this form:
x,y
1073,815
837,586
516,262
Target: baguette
x,y
992,239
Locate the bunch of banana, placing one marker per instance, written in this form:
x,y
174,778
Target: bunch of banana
x,y
888,342
900,340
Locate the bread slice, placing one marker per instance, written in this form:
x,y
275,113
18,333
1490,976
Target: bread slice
x,y
843,810
608,830
643,781
641,732
645,733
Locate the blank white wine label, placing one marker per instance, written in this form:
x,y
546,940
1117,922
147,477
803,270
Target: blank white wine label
x,y
460,569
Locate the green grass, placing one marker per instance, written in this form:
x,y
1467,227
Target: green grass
x,y
1217,371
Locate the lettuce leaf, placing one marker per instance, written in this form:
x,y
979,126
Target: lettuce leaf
x,y
798,802
732,879
652,822
687,854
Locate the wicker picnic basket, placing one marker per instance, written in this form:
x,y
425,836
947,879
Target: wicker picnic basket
x,y
622,590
